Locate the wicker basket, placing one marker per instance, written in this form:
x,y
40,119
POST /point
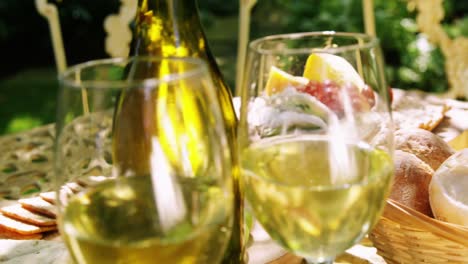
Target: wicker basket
x,y
404,235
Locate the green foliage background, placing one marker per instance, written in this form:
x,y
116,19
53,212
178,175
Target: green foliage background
x,y
411,64
27,70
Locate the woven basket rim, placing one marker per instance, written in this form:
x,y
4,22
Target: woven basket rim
x,y
404,215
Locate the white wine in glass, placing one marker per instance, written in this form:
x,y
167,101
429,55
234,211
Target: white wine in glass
x,y
316,140
176,204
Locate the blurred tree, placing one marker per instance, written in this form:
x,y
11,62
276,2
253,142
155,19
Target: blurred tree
x,y
24,41
412,62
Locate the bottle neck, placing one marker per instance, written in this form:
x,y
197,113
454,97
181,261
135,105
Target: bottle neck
x,y
168,28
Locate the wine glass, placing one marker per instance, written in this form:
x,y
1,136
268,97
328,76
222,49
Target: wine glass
x,y
142,162
316,140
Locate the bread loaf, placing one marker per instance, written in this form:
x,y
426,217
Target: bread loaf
x,y
426,145
411,182
448,190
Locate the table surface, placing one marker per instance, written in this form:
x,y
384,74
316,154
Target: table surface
x,y
264,250
55,252
25,167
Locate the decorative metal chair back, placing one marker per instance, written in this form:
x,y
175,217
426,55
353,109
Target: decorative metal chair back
x,y
429,19
118,38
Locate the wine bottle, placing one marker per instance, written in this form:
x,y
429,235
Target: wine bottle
x,y
173,28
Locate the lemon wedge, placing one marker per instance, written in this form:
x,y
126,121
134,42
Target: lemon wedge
x,y
279,80
448,194
324,66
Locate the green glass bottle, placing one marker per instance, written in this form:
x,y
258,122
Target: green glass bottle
x,y
173,28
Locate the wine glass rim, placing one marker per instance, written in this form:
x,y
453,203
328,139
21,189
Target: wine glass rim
x,y
368,42
68,76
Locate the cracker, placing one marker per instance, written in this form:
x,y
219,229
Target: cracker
x,y
438,113
15,226
74,187
19,213
65,193
38,205
412,112
5,233
91,180
51,235
49,197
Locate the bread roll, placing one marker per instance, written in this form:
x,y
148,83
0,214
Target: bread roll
x,y
411,182
426,145
448,191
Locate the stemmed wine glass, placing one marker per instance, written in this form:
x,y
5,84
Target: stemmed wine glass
x,y
316,139
143,169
